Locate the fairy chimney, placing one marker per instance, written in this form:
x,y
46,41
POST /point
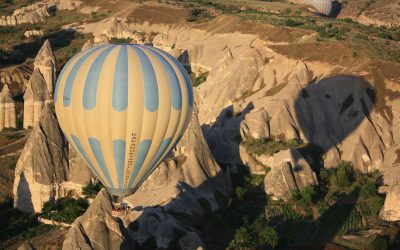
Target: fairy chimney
x,y
36,95
7,109
46,63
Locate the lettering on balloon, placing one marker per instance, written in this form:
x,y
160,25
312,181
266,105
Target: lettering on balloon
x,y
132,150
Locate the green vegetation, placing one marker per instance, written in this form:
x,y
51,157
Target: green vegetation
x,y
65,209
313,217
197,80
377,42
121,40
91,190
268,146
16,226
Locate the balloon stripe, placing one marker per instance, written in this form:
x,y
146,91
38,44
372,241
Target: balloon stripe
x,y
176,94
120,85
71,77
98,153
119,154
184,73
80,149
160,152
150,81
64,69
144,147
92,80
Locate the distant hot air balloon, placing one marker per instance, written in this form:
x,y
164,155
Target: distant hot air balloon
x,y
123,108
322,6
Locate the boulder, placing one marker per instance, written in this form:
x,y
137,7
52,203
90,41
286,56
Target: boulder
x,y
290,172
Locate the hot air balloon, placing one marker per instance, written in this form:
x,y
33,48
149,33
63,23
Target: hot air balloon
x,y
123,108
322,6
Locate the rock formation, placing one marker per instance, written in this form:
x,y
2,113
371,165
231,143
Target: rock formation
x,y
42,167
289,172
43,171
79,172
97,229
16,77
190,184
45,61
384,12
7,109
33,33
30,14
35,97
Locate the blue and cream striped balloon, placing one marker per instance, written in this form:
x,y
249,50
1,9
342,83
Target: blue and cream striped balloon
x,y
123,108
322,6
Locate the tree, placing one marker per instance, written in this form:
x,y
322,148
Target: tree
x,y
368,190
344,175
307,194
268,237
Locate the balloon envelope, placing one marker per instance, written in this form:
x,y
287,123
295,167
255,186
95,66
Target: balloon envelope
x,y
322,6
123,108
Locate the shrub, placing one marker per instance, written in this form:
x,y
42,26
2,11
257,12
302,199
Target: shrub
x,y
344,175
376,204
267,146
91,190
293,23
307,195
240,193
322,206
268,237
368,190
65,209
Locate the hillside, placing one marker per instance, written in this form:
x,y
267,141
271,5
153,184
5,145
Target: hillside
x,y
294,140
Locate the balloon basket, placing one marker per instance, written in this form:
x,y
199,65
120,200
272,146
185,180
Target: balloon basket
x,y
119,207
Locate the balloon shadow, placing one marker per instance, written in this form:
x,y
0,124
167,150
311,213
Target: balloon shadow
x,y
336,9
330,110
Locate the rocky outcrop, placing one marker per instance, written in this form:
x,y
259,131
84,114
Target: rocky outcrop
x,y
35,97
45,62
42,167
390,210
79,173
290,172
30,14
7,109
384,12
97,229
33,33
16,77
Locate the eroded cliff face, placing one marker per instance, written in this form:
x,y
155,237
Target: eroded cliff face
x,y
30,14
42,167
45,169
